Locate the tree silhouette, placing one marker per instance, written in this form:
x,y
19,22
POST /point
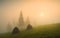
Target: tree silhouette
x,y
15,30
21,21
27,21
29,27
9,28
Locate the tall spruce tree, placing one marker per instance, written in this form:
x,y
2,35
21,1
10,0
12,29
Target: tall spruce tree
x,y
21,21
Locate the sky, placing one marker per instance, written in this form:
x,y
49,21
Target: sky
x,y
38,11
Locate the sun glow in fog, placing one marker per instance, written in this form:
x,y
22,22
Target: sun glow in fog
x,y
41,14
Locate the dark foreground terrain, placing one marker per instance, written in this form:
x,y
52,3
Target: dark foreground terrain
x,y
43,31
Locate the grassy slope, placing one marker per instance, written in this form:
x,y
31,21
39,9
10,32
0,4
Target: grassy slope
x,y
46,31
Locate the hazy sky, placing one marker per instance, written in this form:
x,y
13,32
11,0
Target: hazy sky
x,y
39,11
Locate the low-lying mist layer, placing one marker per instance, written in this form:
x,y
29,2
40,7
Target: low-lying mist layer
x,y
46,31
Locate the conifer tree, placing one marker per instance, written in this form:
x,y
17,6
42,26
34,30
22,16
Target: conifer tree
x,y
9,28
21,21
27,21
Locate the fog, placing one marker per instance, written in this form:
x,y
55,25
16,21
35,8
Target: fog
x,y
39,12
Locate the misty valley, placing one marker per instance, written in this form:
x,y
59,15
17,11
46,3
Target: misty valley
x,y
29,18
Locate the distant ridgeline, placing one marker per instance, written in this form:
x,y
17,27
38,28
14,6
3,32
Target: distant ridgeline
x,y
21,25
